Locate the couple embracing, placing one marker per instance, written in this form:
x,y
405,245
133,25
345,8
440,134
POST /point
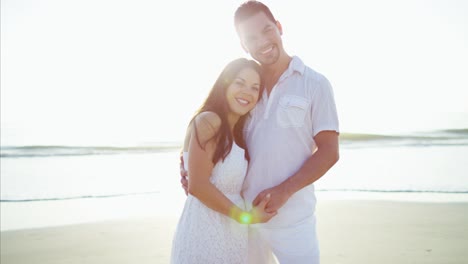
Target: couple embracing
x,y
266,132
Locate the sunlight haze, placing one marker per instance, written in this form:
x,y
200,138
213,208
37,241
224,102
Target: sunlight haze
x,y
133,72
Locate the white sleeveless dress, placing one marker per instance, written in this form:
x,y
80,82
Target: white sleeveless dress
x,y
205,236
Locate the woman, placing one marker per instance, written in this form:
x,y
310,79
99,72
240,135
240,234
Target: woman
x,y
213,225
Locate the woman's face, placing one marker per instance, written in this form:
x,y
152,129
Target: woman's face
x,y
242,94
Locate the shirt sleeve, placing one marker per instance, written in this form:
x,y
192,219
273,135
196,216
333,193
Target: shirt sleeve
x,y
323,113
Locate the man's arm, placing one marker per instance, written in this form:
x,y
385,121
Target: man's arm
x,y
316,166
183,175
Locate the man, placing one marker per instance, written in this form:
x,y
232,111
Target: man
x,y
292,137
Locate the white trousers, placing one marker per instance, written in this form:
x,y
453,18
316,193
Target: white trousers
x,y
296,244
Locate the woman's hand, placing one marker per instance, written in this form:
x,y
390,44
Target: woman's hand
x,y
258,213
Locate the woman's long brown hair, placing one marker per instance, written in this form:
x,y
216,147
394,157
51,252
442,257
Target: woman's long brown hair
x,y
217,102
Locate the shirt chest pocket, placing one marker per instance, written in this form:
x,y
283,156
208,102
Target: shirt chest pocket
x,y
292,111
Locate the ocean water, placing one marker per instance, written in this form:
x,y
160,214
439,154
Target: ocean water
x,y
430,163
434,161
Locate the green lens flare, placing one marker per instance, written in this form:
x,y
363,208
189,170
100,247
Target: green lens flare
x,y
245,218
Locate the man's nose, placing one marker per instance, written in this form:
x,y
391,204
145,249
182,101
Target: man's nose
x,y
262,42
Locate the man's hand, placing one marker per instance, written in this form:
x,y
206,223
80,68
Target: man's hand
x,y
259,213
279,196
183,175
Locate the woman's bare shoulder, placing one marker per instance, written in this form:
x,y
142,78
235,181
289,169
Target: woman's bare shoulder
x,y
207,125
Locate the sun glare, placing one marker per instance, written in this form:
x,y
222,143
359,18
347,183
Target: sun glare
x,y
138,72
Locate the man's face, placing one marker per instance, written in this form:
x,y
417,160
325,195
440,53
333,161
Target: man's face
x,y
261,37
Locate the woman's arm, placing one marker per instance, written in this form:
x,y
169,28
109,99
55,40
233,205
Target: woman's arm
x,y
200,166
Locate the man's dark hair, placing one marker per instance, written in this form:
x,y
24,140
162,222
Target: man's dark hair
x,y
250,8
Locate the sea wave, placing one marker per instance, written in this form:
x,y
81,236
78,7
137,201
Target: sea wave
x,y
101,196
448,137
48,151
459,191
61,198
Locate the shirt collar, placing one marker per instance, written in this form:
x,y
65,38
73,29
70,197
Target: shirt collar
x,y
296,65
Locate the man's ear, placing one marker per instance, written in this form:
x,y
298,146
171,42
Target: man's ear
x,y
280,28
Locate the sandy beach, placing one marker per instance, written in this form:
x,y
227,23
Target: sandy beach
x,y
350,231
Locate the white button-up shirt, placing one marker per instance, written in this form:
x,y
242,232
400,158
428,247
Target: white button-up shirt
x,y
279,136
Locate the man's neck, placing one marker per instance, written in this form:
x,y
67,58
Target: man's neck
x,y
273,72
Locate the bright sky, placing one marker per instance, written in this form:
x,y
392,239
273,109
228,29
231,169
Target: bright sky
x,y
99,72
